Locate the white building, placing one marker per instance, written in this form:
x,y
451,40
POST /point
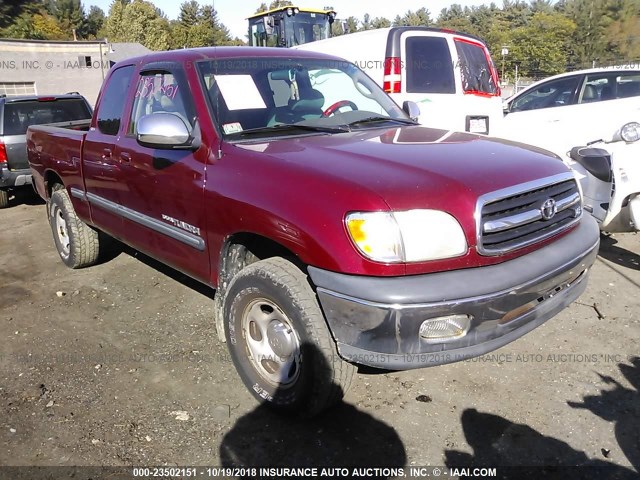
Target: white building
x,y
44,67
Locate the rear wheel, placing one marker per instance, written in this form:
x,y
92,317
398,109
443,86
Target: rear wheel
x,y
77,243
279,341
4,198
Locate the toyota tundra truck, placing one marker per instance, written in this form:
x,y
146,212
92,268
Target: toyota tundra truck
x,y
335,230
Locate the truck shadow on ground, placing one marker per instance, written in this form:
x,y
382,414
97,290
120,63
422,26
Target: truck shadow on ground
x,y
116,248
497,441
620,256
24,196
343,437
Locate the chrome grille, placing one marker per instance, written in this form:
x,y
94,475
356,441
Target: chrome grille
x,y
521,216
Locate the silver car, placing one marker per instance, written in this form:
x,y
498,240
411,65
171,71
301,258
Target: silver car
x,y
16,114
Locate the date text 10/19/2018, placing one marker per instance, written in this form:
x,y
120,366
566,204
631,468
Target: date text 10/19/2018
x,y
292,472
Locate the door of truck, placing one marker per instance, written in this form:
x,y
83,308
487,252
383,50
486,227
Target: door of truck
x,y
103,175
164,188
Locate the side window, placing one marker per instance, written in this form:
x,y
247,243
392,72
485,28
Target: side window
x,y
158,92
628,85
475,69
556,93
594,88
429,66
112,103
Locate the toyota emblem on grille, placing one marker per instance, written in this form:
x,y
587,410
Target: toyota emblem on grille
x,y
548,209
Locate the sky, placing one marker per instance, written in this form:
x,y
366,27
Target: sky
x,y
233,13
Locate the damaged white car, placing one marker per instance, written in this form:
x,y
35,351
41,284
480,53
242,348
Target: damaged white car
x,y
609,173
590,119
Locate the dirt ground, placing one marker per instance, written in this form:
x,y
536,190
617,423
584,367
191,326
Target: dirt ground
x,y
119,364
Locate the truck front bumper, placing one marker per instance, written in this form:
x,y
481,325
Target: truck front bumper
x,y
14,178
376,321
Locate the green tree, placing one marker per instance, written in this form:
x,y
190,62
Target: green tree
x,y
419,18
46,27
540,48
352,24
545,6
70,16
516,13
38,26
138,21
455,18
623,38
95,21
279,3
12,11
380,22
189,13
262,8
199,27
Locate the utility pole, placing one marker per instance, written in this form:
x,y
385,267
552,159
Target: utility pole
x,y
505,52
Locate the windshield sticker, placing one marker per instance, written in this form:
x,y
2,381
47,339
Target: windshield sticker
x,y
239,92
230,128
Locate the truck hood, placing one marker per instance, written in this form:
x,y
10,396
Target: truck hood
x,y
412,166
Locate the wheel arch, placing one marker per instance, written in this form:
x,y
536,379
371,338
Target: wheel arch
x,y
238,251
51,178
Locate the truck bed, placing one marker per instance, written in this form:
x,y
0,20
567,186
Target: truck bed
x,y
56,148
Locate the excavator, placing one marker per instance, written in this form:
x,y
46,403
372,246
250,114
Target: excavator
x,y
290,26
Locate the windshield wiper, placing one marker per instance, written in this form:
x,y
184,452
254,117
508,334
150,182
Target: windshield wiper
x,y
284,128
377,119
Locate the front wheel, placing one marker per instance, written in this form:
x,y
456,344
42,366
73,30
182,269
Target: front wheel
x,y
77,243
279,341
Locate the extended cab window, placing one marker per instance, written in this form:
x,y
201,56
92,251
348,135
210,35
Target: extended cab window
x,y
429,66
551,94
158,92
111,107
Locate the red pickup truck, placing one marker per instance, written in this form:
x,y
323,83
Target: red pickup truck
x,y
335,230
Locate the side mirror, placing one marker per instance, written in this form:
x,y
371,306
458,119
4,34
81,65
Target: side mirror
x,y
505,107
163,130
412,109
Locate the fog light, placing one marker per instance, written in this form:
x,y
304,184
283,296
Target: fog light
x,y
445,329
630,132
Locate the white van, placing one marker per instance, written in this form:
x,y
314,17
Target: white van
x,y
450,75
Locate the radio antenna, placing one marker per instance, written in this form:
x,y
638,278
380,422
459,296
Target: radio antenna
x,y
214,87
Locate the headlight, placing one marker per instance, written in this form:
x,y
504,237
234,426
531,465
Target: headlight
x,y
630,132
410,236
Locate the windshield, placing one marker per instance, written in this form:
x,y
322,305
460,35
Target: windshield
x,y
269,93
305,27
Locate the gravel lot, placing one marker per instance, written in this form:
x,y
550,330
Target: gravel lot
x,y
119,364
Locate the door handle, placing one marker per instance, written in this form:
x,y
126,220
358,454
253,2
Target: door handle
x,y
125,157
106,154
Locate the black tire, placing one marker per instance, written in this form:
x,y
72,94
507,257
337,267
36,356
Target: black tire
x,y
279,295
77,243
4,198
